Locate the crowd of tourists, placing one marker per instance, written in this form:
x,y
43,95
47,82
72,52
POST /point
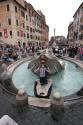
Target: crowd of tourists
x,y
13,52
8,52
71,51
75,52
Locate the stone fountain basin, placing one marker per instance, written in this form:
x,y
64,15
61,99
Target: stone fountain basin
x,y
33,100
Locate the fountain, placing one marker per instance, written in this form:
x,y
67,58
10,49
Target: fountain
x,y
22,76
43,86
52,62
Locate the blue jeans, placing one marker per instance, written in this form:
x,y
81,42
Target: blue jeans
x,y
43,80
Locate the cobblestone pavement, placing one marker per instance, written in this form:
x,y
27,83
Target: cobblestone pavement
x,y
30,115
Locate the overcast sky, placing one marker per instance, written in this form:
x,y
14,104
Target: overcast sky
x,y
59,13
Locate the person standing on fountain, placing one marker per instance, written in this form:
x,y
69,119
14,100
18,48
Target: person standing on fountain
x,y
43,74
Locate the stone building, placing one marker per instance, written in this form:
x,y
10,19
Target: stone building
x,y
75,29
70,36
21,24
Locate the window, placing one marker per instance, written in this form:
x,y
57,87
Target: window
x,y
22,14
33,30
17,22
30,29
31,36
9,21
27,35
81,27
82,9
0,34
30,19
17,33
8,8
32,14
27,28
35,15
24,44
11,33
81,37
29,12
15,9
81,20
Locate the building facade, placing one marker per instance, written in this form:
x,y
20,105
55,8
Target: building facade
x,y
70,36
21,24
75,30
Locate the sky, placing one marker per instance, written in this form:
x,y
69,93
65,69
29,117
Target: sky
x,y
58,13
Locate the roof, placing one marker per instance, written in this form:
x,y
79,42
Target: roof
x,y
16,2
78,9
20,4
